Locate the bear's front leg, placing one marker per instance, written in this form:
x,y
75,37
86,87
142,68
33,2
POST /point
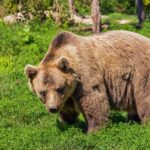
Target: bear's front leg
x,y
69,113
68,117
95,108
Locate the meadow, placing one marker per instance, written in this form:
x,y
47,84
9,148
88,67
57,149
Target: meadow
x,y
24,122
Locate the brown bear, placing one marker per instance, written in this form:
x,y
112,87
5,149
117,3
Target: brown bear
x,y
94,74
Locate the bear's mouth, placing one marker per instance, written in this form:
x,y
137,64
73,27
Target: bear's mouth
x,y
53,110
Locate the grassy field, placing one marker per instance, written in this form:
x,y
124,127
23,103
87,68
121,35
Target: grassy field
x,y
24,122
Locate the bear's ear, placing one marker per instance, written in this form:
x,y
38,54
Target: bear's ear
x,y
31,71
63,64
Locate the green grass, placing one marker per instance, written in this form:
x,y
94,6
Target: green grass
x,y
24,122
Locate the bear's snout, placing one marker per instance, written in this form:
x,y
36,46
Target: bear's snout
x,y
53,102
53,109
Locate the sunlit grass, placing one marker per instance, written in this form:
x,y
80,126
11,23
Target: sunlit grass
x,y
24,122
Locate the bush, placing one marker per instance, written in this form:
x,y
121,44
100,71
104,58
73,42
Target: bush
x,y
127,6
35,6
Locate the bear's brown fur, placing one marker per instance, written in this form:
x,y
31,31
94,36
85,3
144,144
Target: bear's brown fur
x,y
93,75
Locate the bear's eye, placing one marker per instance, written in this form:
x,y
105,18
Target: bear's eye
x,y
61,90
43,93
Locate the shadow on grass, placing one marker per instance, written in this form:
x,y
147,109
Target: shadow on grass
x,y
115,118
122,117
79,125
118,117
136,26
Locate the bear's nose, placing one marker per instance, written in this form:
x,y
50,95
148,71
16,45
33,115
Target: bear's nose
x,y
53,110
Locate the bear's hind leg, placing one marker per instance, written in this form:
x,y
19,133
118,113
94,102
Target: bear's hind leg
x,y
144,113
133,114
133,117
143,109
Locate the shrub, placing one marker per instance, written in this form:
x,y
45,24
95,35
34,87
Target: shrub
x,y
127,6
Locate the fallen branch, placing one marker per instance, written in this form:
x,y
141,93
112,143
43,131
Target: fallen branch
x,y
104,26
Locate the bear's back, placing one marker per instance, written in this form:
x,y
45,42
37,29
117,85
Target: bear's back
x,y
118,47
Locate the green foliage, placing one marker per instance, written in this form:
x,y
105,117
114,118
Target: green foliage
x,y
82,6
10,5
6,64
26,5
146,2
127,6
24,122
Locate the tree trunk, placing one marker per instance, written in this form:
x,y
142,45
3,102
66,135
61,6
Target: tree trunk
x,y
57,11
140,13
95,15
71,7
56,6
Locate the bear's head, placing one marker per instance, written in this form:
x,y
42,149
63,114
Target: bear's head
x,y
53,82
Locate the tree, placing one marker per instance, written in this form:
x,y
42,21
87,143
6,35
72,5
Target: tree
x,y
140,13
71,7
95,15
